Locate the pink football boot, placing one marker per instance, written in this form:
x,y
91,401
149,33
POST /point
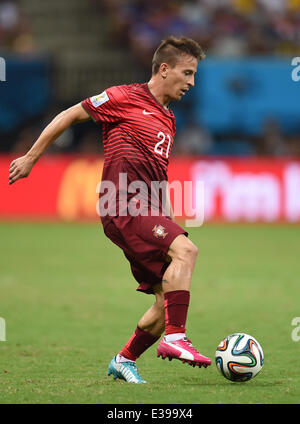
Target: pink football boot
x,y
183,350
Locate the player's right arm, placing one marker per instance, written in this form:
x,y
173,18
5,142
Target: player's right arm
x,y
21,167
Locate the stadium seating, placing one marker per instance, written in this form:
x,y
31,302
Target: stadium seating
x,y
78,38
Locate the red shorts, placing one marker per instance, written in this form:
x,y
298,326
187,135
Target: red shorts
x,y
145,241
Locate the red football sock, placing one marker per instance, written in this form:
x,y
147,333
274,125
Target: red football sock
x,y
140,341
176,309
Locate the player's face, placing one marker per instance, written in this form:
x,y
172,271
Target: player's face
x,y
181,77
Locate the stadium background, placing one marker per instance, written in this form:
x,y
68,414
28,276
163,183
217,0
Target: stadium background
x,y
244,105
238,131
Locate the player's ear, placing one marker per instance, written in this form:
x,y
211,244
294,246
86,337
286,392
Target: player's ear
x,y
163,69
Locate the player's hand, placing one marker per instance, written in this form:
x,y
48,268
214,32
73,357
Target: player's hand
x,y
20,168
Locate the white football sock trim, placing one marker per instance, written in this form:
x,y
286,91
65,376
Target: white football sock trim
x,y
173,337
120,358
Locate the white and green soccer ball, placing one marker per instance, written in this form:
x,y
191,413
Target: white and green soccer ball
x,y
239,357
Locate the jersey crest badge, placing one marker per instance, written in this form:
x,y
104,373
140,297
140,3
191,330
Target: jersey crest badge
x,y
159,231
99,99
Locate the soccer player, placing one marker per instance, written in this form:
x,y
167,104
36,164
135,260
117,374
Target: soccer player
x,y
138,132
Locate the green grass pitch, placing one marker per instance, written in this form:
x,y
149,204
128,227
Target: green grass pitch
x,y
69,303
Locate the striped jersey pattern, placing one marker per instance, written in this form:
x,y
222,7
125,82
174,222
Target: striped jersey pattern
x,y
138,133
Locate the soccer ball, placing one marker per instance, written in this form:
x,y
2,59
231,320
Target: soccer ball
x,y
239,357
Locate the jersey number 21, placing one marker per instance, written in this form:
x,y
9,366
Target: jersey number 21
x,y
159,146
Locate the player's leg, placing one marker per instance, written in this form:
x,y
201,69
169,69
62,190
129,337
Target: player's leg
x,y
153,320
148,331
183,254
149,328
176,284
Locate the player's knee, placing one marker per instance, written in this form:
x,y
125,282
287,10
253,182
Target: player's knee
x,y
193,250
187,252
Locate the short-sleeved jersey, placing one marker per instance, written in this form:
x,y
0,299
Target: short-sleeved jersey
x,y
138,134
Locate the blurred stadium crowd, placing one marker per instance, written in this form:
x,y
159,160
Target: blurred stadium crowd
x,y
15,29
225,28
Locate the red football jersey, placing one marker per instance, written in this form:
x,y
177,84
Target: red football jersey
x,y
138,134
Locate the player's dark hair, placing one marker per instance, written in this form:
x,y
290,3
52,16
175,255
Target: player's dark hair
x,y
171,48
